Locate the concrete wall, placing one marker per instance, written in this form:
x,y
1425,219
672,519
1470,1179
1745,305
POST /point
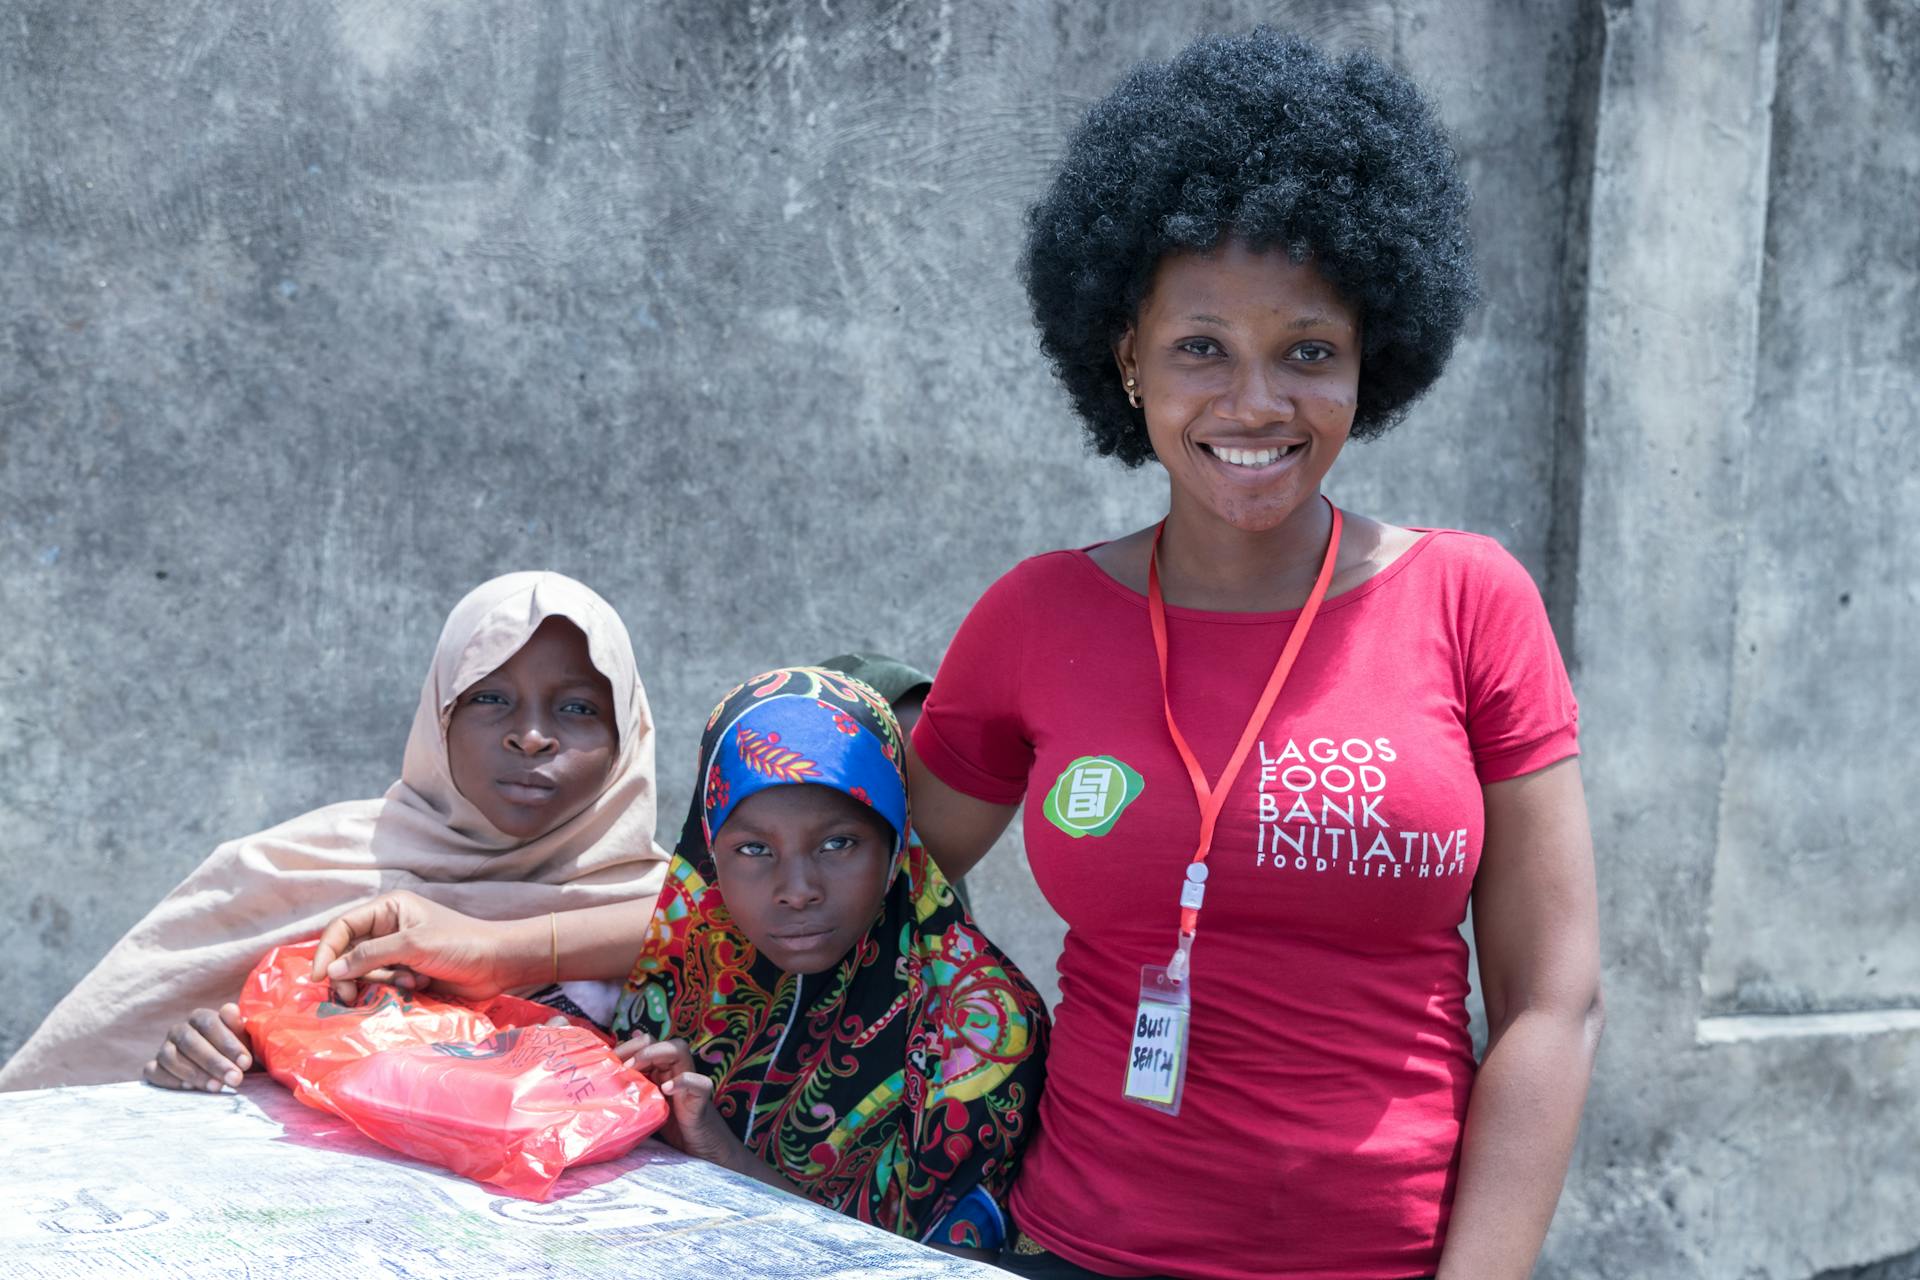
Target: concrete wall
x,y
1742,619
316,315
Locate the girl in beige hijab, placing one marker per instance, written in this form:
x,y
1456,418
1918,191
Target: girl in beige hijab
x,y
527,787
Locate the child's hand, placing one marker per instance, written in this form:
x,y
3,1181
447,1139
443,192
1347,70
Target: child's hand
x,y
693,1126
207,1051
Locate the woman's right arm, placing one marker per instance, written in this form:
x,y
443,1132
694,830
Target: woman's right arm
x,y
956,828
475,959
973,728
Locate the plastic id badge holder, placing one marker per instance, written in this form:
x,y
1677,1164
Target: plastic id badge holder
x,y
1157,1062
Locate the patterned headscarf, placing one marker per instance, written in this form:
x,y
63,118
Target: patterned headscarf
x,y
892,1085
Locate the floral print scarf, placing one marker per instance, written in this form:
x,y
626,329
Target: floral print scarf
x,y
901,1082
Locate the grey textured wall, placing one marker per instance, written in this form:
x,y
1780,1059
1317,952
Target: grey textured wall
x,y
315,315
1743,619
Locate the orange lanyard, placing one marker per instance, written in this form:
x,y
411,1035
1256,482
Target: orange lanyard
x,y
1214,798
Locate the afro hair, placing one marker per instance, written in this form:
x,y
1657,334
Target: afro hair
x,y
1263,138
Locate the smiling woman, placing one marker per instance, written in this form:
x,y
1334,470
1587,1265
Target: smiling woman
x,y
1247,365
1251,255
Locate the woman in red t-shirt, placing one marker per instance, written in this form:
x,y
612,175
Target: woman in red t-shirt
x,y
1252,254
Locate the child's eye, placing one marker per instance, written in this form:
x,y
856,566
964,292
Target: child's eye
x,y
752,849
578,708
838,844
488,698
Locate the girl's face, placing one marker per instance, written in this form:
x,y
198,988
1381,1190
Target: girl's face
x,y
1248,366
531,743
803,869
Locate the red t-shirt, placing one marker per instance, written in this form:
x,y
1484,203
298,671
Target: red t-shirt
x,y
1329,1061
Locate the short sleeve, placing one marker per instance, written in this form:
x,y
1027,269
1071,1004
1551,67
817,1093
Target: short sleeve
x,y
972,734
1521,713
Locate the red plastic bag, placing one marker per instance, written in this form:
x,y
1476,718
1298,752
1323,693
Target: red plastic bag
x,y
514,1110
489,1092
302,1034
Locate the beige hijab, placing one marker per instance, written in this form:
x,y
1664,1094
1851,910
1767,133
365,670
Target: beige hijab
x,y
197,947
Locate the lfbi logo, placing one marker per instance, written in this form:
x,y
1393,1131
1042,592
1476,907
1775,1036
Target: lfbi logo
x,y
1090,795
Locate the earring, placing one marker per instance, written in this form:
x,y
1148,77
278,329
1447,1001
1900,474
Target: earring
x,y
1133,393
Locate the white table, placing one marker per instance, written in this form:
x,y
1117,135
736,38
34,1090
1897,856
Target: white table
x,y
128,1180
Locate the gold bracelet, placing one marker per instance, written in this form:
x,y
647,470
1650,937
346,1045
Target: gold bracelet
x,y
553,936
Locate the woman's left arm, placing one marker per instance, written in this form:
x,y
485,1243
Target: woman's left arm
x,y
1536,927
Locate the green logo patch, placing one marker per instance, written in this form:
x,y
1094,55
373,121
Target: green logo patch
x,y
1090,795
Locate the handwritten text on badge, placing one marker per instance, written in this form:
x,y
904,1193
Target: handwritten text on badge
x,y
1153,1064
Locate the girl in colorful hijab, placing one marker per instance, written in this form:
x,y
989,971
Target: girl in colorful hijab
x,y
489,816
821,1011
